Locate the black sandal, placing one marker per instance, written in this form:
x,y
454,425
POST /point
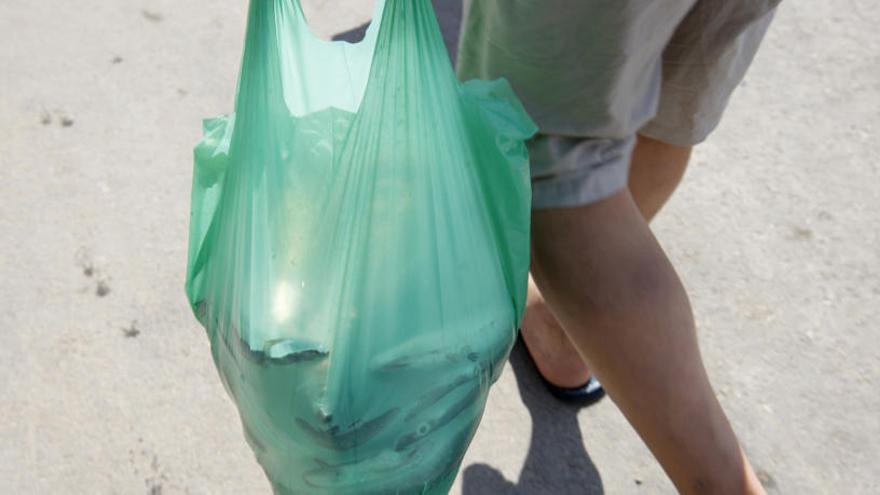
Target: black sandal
x,y
584,395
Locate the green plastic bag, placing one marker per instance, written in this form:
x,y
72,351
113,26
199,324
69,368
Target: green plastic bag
x,y
359,250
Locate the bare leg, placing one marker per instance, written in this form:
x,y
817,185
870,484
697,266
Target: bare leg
x,y
552,350
621,303
655,172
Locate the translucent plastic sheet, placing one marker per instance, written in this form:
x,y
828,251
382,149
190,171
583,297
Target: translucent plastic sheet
x,y
359,250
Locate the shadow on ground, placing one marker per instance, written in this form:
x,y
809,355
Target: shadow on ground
x,y
557,461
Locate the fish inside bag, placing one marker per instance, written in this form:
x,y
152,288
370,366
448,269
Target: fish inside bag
x,y
359,250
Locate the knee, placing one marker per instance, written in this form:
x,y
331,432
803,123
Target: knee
x,y
601,261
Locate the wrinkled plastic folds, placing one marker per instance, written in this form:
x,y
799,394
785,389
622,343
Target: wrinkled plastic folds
x,y
359,250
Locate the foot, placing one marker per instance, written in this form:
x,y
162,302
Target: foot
x,y
553,353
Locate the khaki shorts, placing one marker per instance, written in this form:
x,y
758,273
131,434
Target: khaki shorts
x,y
594,73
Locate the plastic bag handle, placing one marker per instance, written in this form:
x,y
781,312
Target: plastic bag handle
x,y
410,57
407,35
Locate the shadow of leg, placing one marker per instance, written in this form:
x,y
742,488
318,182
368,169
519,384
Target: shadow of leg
x,y
557,461
482,478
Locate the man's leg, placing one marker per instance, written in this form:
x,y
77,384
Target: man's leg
x,y
621,302
702,66
655,171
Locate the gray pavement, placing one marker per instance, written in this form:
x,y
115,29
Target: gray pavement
x,y
107,381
